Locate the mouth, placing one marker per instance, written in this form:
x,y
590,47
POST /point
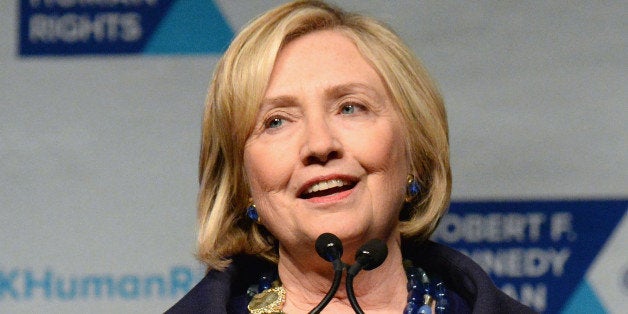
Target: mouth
x,y
326,188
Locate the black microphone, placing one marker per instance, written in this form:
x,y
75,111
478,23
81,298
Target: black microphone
x,y
369,256
329,247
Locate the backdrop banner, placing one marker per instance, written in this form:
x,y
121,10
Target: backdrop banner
x,y
72,27
555,256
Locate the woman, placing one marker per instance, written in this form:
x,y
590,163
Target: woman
x,y
322,121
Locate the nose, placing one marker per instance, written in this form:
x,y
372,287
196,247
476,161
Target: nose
x,y
321,143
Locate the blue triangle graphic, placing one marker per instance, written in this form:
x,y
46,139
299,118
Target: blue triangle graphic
x,y
583,300
191,27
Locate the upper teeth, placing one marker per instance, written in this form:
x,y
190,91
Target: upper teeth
x,y
324,185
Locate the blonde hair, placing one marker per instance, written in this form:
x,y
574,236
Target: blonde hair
x,y
237,89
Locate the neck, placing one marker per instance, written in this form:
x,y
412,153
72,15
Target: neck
x,y
380,290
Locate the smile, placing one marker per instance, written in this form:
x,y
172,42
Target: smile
x,y
327,187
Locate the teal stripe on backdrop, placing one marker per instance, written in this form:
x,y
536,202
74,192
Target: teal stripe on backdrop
x,y
191,27
583,300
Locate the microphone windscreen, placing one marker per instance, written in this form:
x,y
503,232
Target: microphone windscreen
x,y
372,254
329,247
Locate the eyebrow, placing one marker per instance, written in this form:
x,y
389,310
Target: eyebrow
x,y
349,88
332,92
279,101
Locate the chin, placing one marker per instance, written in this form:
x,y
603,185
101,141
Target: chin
x,y
350,235
350,227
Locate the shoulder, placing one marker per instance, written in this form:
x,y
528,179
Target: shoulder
x,y
462,275
223,291
210,295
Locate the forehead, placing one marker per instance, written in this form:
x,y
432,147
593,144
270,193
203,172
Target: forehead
x,y
320,59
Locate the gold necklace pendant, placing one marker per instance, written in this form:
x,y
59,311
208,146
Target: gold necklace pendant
x,y
269,301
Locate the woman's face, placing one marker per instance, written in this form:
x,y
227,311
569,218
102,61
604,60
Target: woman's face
x,y
327,152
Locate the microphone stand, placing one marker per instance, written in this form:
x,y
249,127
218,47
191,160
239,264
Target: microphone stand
x,y
353,270
339,266
329,247
369,256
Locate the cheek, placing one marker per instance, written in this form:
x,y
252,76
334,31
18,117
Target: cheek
x,y
384,151
384,158
266,167
257,173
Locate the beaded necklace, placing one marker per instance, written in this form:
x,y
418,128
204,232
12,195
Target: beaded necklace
x,y
268,296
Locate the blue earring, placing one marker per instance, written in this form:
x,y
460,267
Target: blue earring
x,y
412,189
251,212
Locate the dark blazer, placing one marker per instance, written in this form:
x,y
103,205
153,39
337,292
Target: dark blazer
x,y
470,290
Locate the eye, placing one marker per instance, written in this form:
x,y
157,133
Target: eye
x,y
274,122
347,109
351,108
